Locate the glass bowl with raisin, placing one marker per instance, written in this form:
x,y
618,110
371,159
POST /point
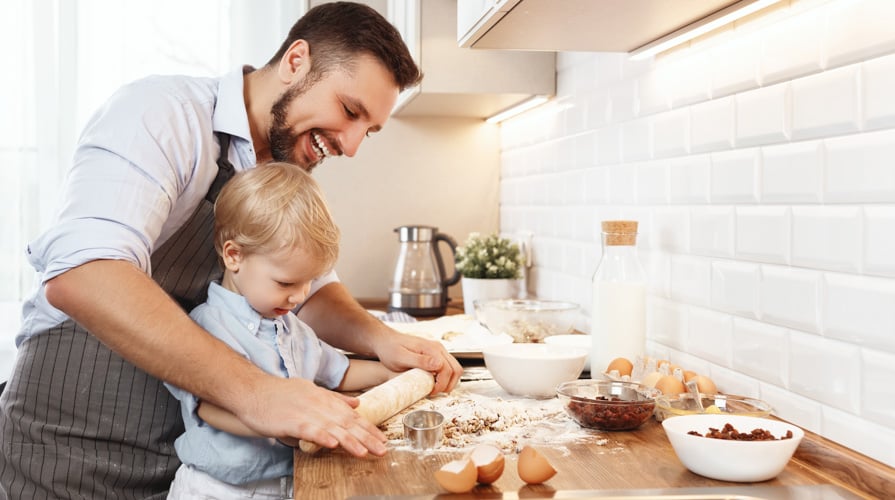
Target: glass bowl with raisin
x,y
606,404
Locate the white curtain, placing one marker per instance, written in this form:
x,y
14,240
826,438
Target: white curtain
x,y
62,59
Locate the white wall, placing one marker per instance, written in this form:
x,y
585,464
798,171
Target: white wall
x,y
760,162
441,172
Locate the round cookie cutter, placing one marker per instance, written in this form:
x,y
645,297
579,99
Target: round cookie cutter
x,y
424,429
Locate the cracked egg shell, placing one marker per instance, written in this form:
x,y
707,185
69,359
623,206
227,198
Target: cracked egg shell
x,y
457,476
489,463
534,468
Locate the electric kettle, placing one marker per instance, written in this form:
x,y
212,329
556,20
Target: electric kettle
x,y
419,286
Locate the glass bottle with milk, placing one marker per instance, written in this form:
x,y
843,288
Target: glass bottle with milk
x,y
618,317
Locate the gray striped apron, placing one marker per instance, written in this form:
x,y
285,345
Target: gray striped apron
x,y
76,419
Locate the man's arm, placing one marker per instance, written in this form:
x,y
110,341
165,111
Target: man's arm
x,y
340,321
134,317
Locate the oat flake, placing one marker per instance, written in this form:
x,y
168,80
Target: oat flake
x,y
481,412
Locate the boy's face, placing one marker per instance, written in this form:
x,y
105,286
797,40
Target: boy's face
x,y
273,283
330,116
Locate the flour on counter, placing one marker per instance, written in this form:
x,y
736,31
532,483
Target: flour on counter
x,y
480,412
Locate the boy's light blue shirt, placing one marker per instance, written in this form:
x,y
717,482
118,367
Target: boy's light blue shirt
x,y
284,346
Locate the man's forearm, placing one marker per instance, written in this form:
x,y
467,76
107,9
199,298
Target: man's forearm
x,y
133,316
339,319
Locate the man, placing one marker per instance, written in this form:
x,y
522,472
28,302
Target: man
x,y
85,414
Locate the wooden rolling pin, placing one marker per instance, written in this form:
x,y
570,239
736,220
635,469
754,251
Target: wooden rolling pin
x,y
385,400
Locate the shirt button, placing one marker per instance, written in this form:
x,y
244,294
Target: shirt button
x,y
250,326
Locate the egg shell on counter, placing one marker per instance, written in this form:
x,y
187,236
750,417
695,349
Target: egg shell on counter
x,y
534,468
457,476
489,462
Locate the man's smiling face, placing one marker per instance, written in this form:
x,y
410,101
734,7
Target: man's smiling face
x,y
330,115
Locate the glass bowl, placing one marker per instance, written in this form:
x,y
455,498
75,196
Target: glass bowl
x,y
725,404
527,320
607,405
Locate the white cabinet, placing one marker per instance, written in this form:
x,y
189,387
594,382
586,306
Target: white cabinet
x,y
462,82
575,25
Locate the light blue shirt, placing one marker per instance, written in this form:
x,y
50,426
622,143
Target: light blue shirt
x,y
143,164
284,346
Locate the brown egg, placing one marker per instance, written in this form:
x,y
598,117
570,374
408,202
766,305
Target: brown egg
x,y
623,365
457,476
534,467
706,385
650,379
689,374
489,463
670,385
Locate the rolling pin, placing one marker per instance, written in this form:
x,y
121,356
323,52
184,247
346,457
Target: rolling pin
x,y
385,400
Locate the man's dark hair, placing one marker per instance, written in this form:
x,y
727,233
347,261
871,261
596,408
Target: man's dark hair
x,y
338,32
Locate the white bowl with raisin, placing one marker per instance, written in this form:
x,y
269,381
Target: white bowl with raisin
x,y
743,449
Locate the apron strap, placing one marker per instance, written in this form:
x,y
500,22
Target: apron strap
x,y
79,421
225,168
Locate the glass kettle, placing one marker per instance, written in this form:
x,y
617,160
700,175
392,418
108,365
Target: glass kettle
x,y
419,285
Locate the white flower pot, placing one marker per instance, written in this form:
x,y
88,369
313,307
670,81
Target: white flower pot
x,y
485,289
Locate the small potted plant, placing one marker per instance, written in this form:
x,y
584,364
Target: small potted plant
x,y
491,268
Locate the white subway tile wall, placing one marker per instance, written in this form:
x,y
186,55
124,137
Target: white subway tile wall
x,y
760,162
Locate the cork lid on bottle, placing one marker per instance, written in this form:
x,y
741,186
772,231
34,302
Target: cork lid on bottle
x,y
620,232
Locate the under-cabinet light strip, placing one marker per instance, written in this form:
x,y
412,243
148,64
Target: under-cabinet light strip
x,y
724,16
514,110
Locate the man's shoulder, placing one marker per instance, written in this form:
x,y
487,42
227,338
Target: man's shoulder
x,y
175,84
171,90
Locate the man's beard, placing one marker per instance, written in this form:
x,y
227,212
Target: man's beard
x,y
281,136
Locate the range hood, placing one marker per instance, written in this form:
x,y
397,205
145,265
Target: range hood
x,y
459,82
576,25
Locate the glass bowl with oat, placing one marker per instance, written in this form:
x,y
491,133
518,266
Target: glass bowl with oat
x,y
527,321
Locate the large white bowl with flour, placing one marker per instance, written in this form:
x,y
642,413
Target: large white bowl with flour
x,y
534,370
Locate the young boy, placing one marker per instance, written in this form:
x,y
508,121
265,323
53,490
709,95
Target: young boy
x,y
274,235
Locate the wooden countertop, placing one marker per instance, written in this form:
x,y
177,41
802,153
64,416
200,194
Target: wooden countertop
x,y
640,459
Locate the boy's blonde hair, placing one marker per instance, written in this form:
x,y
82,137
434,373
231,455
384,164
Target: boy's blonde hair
x,y
275,206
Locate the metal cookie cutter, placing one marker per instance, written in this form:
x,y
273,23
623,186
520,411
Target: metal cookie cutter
x,y
424,428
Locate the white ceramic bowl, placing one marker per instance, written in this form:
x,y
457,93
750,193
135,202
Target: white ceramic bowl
x,y
533,370
728,460
572,339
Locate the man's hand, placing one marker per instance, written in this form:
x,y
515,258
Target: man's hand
x,y
340,321
293,409
399,352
